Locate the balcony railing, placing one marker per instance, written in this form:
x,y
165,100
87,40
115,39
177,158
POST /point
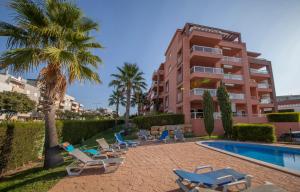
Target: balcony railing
x,y
199,115
232,59
265,101
207,49
212,70
258,71
232,76
154,83
263,85
237,96
200,91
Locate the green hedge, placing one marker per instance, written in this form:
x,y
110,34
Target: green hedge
x,y
146,122
22,142
254,132
74,131
284,117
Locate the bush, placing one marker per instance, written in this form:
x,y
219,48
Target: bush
x,y
284,117
146,122
74,131
254,132
22,142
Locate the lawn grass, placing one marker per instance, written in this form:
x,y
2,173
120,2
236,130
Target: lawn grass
x,y
37,179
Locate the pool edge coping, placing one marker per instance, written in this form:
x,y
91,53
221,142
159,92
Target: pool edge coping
x,y
249,159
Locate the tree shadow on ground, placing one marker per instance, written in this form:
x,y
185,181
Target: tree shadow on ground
x,y
46,177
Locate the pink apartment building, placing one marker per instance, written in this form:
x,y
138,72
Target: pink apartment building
x,y
200,58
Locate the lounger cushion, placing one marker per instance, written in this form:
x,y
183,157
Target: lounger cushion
x,y
92,151
210,178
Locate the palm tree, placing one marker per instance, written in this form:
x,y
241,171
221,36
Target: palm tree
x,y
116,98
129,80
53,35
139,99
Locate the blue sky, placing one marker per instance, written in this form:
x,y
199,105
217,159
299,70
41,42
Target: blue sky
x,y
139,31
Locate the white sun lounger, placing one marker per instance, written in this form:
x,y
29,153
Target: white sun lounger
x,y
84,161
105,147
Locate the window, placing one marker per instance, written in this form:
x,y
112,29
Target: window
x,y
169,69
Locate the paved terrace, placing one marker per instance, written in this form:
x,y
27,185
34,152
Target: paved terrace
x,y
149,168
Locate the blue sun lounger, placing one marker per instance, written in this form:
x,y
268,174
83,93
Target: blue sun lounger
x,y
164,136
126,143
211,179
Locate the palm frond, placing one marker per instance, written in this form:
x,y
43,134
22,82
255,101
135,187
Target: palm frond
x,y
21,60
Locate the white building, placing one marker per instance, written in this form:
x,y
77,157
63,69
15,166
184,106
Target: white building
x,y
30,88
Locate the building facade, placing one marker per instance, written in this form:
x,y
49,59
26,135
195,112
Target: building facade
x,y
200,58
288,103
29,87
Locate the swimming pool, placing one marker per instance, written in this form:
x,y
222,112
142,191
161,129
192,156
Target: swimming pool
x,y
285,157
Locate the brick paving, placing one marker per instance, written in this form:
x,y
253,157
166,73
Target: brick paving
x,y
149,168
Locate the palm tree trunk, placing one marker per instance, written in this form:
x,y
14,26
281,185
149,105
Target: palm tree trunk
x,y
117,115
117,108
128,93
52,151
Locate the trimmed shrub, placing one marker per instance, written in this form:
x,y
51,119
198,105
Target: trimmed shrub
x,y
284,117
208,110
146,122
254,132
20,143
74,131
226,111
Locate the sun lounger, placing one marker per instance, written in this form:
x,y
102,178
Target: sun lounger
x,y
93,152
144,135
105,147
211,179
164,136
126,143
83,161
178,135
242,186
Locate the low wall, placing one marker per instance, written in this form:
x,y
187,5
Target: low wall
x,y
284,127
280,127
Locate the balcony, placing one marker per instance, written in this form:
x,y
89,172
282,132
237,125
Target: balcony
x,y
179,97
207,49
258,61
179,59
179,78
211,70
258,71
200,115
237,96
265,101
232,59
263,86
233,77
200,91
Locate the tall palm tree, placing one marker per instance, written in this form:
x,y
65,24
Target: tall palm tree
x,y
116,98
53,35
129,80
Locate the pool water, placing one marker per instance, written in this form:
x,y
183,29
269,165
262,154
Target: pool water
x,y
281,156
